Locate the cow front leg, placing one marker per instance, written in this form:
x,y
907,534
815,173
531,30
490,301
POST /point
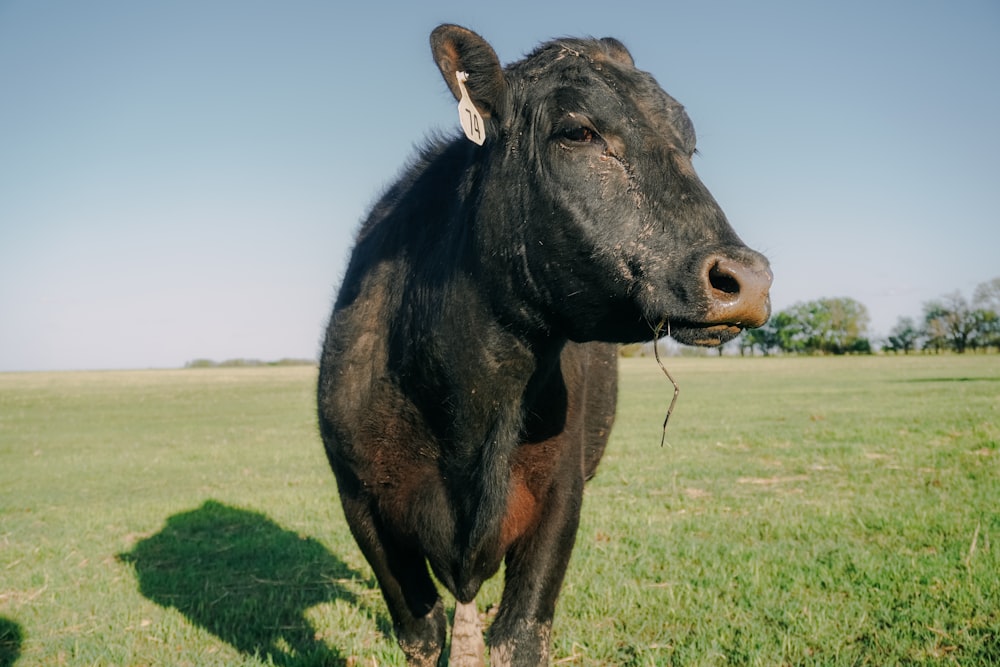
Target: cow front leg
x,y
536,565
416,609
467,646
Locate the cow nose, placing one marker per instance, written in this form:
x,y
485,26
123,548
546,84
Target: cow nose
x,y
739,290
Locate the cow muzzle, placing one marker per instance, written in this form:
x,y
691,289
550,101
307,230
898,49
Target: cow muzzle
x,y
738,289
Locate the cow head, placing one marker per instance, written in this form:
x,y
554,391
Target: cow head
x,y
589,164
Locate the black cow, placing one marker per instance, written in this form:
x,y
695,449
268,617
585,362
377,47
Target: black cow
x,y
468,378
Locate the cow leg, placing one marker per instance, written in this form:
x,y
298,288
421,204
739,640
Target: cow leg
x,y
536,565
467,646
417,613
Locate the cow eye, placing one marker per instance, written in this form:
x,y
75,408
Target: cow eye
x,y
580,135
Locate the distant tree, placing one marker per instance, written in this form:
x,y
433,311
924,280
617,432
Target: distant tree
x,y
827,326
848,322
767,338
790,331
987,329
986,300
248,363
950,322
859,346
987,296
904,336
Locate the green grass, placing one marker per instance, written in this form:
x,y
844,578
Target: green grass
x,y
813,511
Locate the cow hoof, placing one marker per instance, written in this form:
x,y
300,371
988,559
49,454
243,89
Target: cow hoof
x,y
527,643
467,646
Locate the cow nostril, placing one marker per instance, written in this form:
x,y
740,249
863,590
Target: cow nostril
x,y
738,291
723,281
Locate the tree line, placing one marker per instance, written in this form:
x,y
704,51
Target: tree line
x,y
840,326
247,363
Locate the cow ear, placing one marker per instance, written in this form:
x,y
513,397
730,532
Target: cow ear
x,y
458,49
618,51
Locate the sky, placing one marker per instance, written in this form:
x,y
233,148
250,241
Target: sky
x,y
183,180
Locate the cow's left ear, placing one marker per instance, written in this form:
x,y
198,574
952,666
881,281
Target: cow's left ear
x,y
457,49
618,51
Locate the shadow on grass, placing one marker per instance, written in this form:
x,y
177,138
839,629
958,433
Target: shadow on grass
x,y
950,379
10,642
246,580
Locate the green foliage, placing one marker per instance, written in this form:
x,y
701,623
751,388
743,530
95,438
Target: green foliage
x,y
824,326
951,322
904,336
805,511
775,335
832,326
840,326
987,329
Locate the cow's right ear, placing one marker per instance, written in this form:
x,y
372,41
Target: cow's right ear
x,y
457,49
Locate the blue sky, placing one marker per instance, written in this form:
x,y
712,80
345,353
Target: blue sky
x,y
183,180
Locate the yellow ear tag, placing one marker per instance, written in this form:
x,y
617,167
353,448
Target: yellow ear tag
x,y
468,115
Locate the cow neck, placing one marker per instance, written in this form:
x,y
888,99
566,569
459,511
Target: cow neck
x,y
504,278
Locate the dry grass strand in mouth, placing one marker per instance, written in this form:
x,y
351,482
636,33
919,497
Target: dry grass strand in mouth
x,y
677,389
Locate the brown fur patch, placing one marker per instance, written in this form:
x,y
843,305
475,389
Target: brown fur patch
x,y
522,511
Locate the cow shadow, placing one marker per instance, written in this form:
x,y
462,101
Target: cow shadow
x,y
247,580
10,642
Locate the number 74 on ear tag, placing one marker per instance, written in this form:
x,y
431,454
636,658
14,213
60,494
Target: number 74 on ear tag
x,y
468,115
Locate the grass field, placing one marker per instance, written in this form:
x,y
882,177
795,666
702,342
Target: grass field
x,y
805,511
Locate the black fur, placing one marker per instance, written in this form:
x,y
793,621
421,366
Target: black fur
x,y
468,378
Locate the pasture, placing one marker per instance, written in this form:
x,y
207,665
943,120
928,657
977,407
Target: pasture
x,y
805,511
